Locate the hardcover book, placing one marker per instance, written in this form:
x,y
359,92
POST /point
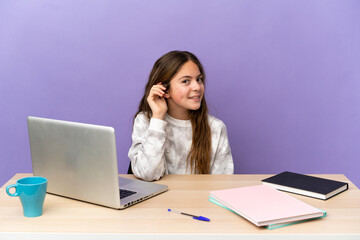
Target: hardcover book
x,y
316,187
265,206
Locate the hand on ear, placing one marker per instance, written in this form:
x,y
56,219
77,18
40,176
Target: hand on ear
x,y
157,101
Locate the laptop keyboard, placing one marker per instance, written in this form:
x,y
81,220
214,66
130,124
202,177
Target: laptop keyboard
x,y
125,193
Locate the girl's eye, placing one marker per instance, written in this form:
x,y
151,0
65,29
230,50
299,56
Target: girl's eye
x,y
199,79
185,81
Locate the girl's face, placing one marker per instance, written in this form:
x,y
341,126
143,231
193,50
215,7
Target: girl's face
x,y
186,91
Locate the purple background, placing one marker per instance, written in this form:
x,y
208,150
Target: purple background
x,y
282,75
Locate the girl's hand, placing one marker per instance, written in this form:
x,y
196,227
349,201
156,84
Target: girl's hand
x,y
157,102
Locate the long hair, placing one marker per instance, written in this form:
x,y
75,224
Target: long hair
x,y
164,69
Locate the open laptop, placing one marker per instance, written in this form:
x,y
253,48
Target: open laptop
x,y
79,160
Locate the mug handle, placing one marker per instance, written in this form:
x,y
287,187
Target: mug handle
x,y
16,194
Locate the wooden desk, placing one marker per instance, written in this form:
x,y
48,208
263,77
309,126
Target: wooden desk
x,y
69,219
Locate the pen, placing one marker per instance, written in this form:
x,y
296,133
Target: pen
x,y
201,218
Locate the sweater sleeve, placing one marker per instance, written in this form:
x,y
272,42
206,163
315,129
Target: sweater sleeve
x,y
223,161
148,148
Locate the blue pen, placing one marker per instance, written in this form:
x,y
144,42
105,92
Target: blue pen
x,y
201,218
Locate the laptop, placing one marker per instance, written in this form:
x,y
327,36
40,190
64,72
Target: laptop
x,y
79,160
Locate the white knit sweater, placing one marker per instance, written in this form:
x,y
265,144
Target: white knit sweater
x,y
161,147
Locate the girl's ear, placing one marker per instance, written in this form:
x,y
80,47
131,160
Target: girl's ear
x,y
167,86
167,95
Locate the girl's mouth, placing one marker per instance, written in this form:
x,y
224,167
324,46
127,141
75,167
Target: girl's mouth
x,y
195,98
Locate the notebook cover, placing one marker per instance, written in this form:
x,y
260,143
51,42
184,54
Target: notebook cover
x,y
272,226
305,182
261,203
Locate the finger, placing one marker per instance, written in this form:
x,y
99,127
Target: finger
x,y
158,87
160,84
157,91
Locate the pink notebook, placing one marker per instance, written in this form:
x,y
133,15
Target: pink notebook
x,y
264,205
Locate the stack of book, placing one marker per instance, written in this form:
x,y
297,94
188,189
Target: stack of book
x,y
264,205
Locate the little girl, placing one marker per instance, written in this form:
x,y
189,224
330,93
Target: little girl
x,y
172,132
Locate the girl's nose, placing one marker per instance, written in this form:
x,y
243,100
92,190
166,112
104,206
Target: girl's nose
x,y
195,86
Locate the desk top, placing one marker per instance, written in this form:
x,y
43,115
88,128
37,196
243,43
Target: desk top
x,y
187,193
